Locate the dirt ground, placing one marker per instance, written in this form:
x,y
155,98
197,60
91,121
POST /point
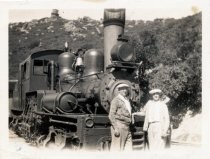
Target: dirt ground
x,y
17,148
187,138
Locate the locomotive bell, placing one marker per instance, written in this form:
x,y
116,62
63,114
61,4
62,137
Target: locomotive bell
x,y
79,62
79,66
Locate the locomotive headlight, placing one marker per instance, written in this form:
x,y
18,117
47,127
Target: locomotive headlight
x,y
89,122
123,52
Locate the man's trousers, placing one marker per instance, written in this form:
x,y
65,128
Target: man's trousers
x,y
156,142
124,141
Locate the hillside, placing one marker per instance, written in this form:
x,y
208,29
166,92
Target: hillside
x,y
170,48
48,33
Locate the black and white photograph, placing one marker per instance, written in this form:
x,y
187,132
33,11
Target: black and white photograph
x,y
92,78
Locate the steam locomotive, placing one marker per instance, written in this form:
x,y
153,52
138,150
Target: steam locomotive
x,y
62,98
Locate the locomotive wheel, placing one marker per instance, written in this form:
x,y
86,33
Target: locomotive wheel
x,y
104,143
40,140
54,140
60,141
73,144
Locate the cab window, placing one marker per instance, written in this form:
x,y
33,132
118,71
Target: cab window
x,y
39,67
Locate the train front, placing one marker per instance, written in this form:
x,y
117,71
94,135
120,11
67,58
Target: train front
x,y
88,81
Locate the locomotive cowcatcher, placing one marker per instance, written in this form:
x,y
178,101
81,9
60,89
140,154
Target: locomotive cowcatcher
x,y
62,98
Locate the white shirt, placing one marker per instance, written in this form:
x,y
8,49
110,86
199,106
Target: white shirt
x,y
153,110
156,111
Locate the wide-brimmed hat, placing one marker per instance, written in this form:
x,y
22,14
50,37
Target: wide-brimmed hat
x,y
122,86
154,91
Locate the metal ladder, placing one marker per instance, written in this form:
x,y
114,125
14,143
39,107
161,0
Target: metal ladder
x,y
138,139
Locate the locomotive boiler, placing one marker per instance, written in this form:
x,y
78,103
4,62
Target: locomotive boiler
x,y
62,98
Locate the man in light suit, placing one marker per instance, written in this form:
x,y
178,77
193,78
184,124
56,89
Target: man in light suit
x,y
120,117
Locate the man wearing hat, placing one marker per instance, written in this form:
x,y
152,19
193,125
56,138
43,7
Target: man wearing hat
x,y
156,122
120,117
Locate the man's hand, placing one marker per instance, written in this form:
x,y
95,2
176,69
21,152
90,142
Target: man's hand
x,y
164,135
145,133
141,113
116,133
132,118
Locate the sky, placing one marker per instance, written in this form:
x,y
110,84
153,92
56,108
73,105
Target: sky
x,y
24,15
72,9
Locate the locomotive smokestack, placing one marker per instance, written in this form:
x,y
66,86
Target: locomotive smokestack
x,y
114,22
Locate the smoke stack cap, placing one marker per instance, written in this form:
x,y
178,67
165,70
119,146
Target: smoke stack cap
x,y
114,17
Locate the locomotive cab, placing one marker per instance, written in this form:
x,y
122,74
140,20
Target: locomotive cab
x,y
31,72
